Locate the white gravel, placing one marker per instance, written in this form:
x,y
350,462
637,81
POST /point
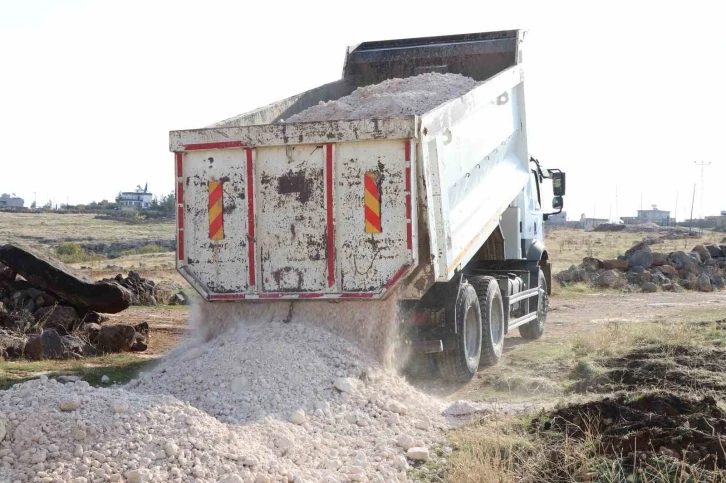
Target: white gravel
x,y
391,98
265,401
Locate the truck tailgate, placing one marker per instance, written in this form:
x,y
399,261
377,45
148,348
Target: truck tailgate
x,y
296,217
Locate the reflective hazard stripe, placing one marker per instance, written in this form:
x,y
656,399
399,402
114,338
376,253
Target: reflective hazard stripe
x,y
216,215
372,203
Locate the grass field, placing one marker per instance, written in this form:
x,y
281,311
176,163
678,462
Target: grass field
x,y
46,231
568,246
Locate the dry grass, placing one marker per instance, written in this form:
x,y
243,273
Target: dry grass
x,y
513,451
47,230
34,229
510,450
569,246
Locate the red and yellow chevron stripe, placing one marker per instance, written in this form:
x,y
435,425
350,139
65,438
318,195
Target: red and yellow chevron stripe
x,y
372,204
216,216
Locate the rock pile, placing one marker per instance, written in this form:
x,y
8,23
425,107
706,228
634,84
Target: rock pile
x,y
145,291
293,403
702,269
51,313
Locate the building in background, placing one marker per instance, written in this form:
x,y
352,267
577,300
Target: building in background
x,y
135,200
654,215
11,201
591,223
719,221
560,219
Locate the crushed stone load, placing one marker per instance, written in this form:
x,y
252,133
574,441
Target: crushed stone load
x,y
77,433
393,97
260,402
326,410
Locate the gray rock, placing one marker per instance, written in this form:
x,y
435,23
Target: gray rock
x,y
610,279
52,344
703,283
659,259
718,281
703,253
649,287
659,278
682,259
7,273
76,345
715,251
57,316
116,338
591,264
669,270
644,258
644,245
33,349
672,287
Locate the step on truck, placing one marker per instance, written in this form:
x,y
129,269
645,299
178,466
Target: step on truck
x,y
444,208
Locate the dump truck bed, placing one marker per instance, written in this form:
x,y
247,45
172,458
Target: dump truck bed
x,y
351,208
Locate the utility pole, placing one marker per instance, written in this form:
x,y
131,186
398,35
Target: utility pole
x,y
693,200
617,220
702,164
675,212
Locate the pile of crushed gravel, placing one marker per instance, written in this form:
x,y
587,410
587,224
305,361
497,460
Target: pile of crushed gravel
x,y
261,402
391,98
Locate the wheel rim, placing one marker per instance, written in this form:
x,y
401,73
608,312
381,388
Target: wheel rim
x,y
496,326
472,331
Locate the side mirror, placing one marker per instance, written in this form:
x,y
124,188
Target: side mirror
x,y
557,203
558,183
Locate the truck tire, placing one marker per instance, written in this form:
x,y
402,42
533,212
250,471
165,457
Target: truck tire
x,y
535,329
461,364
492,309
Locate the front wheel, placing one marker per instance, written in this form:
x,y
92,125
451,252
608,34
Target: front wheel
x,y
461,364
535,328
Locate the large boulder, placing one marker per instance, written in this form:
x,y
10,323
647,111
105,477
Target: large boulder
x,y
644,245
7,273
76,346
610,279
116,338
56,316
47,345
649,287
715,251
659,259
643,258
703,283
615,264
718,282
51,276
682,259
669,270
703,253
588,263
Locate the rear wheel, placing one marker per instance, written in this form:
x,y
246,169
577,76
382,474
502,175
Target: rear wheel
x,y
462,363
535,328
492,309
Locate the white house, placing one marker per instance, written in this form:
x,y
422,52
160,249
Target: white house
x,y
13,201
135,200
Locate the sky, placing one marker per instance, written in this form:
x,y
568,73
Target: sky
x,y
622,96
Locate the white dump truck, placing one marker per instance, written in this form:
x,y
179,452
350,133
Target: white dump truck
x,y
444,209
